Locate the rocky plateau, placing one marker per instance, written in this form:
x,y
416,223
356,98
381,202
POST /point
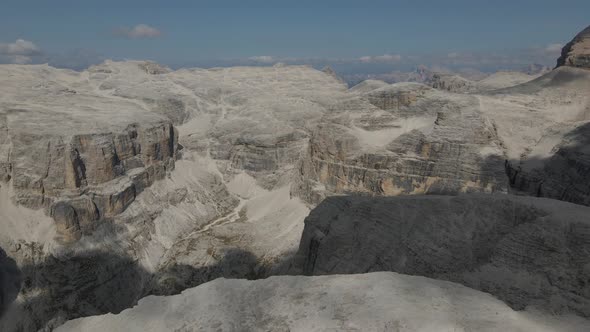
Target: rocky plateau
x,y
130,184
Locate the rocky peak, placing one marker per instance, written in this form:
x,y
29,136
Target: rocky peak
x,y
577,52
328,70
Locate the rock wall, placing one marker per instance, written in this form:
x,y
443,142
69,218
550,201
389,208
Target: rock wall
x,y
564,176
81,179
525,251
577,52
413,141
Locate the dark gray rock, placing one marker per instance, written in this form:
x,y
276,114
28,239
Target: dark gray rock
x,y
577,52
10,281
523,250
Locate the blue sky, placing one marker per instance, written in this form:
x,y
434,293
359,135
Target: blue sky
x,y
201,32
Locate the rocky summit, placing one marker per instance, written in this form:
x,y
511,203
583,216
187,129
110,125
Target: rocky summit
x,y
577,52
347,302
129,191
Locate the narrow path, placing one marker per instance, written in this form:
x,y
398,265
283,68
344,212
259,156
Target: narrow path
x,y
223,220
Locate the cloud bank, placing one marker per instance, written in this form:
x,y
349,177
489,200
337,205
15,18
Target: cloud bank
x,y
19,52
554,48
140,31
262,59
381,58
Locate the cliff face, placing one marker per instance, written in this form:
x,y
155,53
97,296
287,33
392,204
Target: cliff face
x,y
577,52
553,158
525,251
91,177
403,139
411,139
564,175
79,157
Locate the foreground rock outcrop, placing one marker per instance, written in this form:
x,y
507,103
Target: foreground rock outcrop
x,y
368,302
525,251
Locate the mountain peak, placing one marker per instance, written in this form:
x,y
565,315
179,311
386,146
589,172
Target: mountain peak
x,y
577,52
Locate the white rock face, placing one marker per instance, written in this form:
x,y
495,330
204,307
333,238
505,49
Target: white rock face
x,y
366,302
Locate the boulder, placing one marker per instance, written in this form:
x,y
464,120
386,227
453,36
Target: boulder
x,y
525,251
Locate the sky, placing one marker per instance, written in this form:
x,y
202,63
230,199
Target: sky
x,y
375,35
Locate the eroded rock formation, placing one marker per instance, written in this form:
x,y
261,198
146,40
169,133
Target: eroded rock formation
x,y
403,139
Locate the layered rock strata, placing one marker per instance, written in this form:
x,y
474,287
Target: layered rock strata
x,y
403,139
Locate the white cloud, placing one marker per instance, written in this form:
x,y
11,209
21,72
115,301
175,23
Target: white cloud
x,y
365,58
554,48
263,59
20,47
381,58
21,59
388,57
19,52
138,31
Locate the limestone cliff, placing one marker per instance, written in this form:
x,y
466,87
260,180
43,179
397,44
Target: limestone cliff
x,y
403,139
79,156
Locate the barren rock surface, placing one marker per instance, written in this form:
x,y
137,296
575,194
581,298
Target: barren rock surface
x,y
525,251
167,179
149,215
368,302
